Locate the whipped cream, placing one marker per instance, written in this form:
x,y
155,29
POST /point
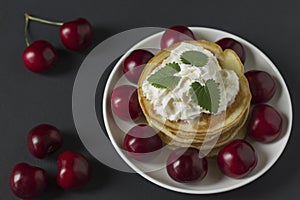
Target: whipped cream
x,y
177,104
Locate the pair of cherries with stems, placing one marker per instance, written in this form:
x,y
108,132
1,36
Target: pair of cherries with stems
x,y
40,55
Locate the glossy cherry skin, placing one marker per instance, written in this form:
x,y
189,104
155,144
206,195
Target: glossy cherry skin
x,y
185,165
134,64
125,104
229,43
28,181
142,142
176,34
237,159
74,170
43,140
39,56
262,85
265,124
77,34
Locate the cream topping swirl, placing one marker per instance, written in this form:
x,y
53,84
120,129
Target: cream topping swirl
x,y
177,104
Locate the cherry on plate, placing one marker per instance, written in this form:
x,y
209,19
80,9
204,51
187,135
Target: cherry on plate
x,y
262,85
76,34
43,140
176,34
229,43
28,181
185,165
74,170
237,159
134,64
39,56
142,142
265,124
125,104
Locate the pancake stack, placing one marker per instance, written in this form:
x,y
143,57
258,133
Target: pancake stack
x,y
208,132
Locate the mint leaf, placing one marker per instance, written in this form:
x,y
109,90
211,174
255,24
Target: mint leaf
x,y
195,58
207,96
164,77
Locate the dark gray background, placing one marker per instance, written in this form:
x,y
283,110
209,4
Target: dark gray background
x,y
27,99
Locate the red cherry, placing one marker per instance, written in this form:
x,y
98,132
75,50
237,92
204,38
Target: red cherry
x,y
28,181
229,43
74,170
125,104
176,34
185,165
262,85
77,34
43,140
39,56
135,63
142,142
265,124
237,159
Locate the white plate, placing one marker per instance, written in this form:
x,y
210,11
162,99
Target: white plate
x,y
214,182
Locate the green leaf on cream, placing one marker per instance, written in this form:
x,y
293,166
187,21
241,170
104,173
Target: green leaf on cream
x,y
207,96
195,58
164,77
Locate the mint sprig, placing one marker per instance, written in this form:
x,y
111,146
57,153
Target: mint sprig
x,y
207,96
164,77
195,58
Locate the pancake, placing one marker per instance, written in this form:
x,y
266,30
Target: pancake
x,y
223,137
210,148
207,123
208,131
206,143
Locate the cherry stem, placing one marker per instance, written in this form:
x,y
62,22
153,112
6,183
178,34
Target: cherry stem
x,y
26,30
44,21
